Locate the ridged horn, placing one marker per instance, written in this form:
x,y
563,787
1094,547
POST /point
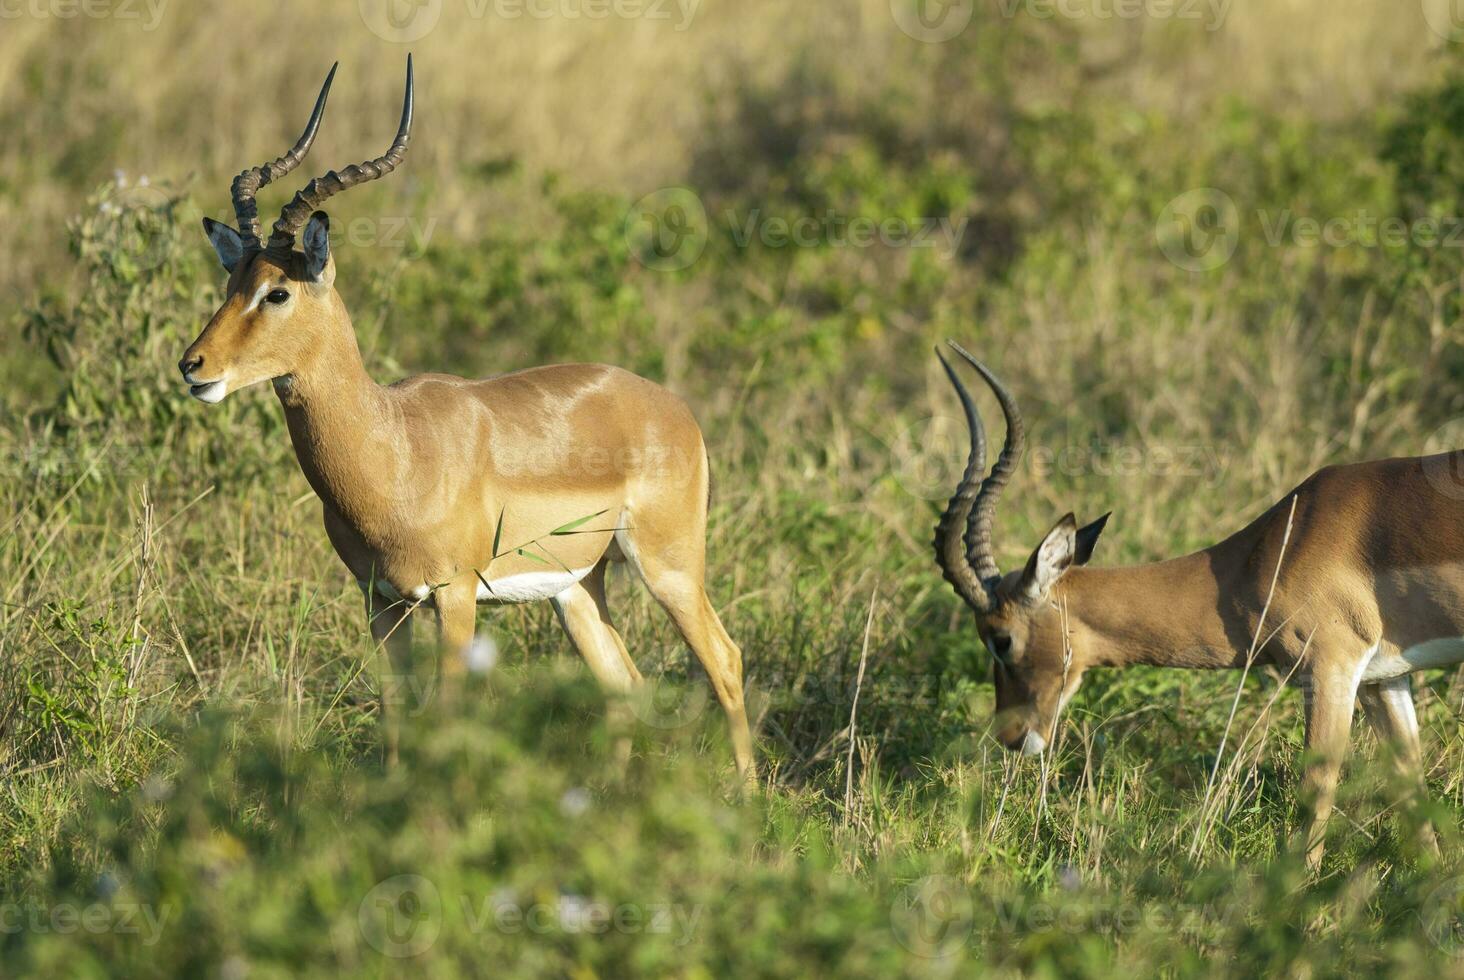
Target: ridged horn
x,y
309,199
248,183
977,506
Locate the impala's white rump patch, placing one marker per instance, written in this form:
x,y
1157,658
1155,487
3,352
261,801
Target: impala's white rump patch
x,y
529,586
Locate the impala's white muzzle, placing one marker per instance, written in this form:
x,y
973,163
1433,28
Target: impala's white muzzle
x,y
211,392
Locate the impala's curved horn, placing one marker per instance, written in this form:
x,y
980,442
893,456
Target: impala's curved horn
x,y
318,191
950,547
248,183
977,506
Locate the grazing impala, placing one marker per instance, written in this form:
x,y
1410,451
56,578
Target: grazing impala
x,y
1370,588
447,492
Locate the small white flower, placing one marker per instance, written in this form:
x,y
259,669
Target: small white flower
x,y
156,789
143,181
119,177
481,655
574,802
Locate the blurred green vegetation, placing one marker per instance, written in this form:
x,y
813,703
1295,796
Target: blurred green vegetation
x,y
188,749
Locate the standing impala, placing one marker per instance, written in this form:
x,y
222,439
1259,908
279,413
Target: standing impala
x,y
446,492
1370,588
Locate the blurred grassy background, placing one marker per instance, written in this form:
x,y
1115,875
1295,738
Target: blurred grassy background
x,y
186,717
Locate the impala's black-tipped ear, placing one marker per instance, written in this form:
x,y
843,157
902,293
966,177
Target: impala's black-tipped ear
x,y
227,243
316,245
1088,538
1053,557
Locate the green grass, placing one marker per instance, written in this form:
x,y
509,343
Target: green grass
x,y
190,776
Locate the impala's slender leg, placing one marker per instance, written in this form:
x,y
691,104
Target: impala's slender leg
x,y
1389,709
681,592
391,632
1330,698
457,612
585,617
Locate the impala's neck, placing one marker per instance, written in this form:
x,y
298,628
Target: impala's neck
x,y
1166,614
338,419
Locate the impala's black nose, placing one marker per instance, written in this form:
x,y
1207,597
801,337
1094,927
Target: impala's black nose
x,y
190,364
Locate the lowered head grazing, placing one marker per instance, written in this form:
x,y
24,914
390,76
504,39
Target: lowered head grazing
x,y
1019,615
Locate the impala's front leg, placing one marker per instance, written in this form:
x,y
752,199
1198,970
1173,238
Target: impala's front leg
x,y
391,633
1330,696
457,612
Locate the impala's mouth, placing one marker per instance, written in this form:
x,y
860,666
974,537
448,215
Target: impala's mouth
x,y
210,392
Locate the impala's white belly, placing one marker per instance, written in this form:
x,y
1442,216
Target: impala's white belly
x,y
524,587
1384,664
528,586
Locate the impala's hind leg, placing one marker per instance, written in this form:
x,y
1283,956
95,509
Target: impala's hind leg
x,y
672,570
1389,709
585,617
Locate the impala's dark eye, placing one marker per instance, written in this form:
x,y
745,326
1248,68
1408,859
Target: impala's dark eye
x,y
277,296
1001,645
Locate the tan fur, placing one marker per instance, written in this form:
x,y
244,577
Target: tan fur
x,y
418,479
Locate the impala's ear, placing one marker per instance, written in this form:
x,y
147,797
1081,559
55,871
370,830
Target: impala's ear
x,y
1088,538
316,243
1053,557
226,242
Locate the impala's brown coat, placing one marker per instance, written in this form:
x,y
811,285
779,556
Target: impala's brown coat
x,y
442,491
1370,588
